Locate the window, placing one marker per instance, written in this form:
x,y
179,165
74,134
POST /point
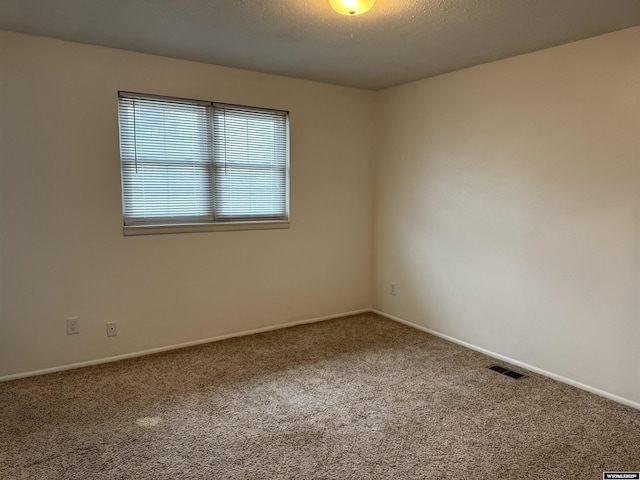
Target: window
x,y
190,165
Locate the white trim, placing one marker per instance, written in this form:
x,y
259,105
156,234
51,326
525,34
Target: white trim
x,y
559,378
150,351
133,230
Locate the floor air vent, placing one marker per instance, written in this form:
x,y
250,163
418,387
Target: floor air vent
x,y
508,373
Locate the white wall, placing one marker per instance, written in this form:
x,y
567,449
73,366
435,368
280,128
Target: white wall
x,y
508,209
62,252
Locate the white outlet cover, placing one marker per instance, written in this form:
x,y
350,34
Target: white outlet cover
x,y
73,326
112,329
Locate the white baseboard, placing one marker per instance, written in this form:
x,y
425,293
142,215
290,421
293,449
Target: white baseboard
x,y
512,361
115,358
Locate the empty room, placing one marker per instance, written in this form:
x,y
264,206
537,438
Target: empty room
x,y
319,239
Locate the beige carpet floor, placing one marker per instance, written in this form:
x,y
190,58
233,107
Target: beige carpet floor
x,y
360,397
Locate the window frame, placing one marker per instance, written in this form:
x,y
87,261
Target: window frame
x,y
159,228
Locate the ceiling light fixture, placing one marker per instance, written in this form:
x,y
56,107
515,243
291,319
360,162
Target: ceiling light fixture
x,y
351,7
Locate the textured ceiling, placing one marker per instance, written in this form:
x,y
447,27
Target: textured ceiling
x,y
396,42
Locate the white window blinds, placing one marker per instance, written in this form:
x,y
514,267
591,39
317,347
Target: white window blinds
x,y
250,163
186,162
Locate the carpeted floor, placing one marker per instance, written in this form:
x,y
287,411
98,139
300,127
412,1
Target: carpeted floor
x,y
360,397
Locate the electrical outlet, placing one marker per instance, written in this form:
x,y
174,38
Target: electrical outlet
x,y
392,288
112,329
73,326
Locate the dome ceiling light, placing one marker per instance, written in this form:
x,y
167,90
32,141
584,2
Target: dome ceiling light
x,y
351,7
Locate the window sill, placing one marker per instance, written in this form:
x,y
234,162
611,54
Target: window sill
x,y
195,228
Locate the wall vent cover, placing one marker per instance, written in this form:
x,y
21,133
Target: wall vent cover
x,y
504,371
